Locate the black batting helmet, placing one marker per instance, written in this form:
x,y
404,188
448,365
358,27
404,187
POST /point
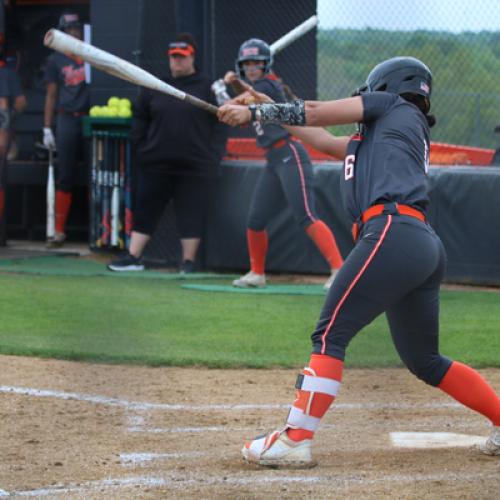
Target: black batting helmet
x,y
400,75
254,50
69,20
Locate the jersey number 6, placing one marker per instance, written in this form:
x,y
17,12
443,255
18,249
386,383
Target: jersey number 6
x,y
349,167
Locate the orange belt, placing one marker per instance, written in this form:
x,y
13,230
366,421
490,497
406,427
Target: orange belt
x,y
380,209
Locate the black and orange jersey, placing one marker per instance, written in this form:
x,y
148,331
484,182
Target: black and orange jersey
x,y
69,75
389,162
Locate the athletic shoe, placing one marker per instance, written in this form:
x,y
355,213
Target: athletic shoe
x,y
187,266
329,281
277,450
251,280
126,262
492,445
56,241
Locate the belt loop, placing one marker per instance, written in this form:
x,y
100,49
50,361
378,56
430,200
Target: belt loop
x,y
391,208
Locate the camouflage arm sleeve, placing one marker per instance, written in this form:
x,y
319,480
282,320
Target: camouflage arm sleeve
x,y
290,113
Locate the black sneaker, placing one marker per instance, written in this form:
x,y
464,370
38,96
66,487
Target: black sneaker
x,y
126,262
187,267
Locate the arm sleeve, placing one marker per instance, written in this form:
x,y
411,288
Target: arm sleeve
x,y
376,104
141,118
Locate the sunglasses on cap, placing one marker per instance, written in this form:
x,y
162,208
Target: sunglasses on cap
x,y
180,48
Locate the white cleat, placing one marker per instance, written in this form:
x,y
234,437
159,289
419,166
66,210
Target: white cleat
x,y
277,450
329,281
492,444
251,280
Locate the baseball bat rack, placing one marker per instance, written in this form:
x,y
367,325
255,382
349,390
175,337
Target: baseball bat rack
x,y
110,182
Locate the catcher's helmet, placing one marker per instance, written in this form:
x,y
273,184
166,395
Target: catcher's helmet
x,y
254,50
400,75
69,20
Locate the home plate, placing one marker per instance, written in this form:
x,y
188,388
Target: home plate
x,y
434,440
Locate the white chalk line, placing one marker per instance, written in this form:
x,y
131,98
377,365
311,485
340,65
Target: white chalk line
x,y
130,459
190,430
137,405
133,405
180,482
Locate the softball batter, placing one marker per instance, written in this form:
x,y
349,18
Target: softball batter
x,y
398,261
287,177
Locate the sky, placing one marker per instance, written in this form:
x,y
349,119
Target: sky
x,y
440,15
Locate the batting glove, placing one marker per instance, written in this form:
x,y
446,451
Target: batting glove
x,y
49,141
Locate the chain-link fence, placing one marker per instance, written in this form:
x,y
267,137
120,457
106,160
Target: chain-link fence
x,y
458,40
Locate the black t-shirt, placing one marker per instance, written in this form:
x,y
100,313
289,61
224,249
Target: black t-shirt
x,y
267,135
390,163
176,136
73,92
10,84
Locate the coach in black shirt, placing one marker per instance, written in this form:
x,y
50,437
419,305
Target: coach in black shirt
x,y
179,148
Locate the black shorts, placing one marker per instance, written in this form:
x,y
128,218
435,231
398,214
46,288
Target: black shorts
x,y
156,188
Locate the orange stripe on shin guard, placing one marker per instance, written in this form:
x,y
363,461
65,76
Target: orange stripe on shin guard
x,y
63,204
468,387
322,366
257,249
323,237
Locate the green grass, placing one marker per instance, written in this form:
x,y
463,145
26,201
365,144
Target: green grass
x,y
158,323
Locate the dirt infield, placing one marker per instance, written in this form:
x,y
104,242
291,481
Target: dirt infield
x,y
77,430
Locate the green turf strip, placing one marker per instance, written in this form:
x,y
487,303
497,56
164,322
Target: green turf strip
x,y
157,322
68,266
268,290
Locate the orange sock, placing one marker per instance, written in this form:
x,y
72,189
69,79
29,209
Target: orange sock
x,y
320,233
468,387
325,367
257,248
63,203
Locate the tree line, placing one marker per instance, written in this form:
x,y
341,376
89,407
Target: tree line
x,y
465,68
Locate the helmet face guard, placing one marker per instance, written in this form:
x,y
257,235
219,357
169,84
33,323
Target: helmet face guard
x,y
399,75
254,50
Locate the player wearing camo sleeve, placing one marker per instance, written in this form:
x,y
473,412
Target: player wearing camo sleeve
x,y
397,263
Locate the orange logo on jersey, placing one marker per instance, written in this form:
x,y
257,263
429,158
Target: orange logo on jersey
x,y
73,76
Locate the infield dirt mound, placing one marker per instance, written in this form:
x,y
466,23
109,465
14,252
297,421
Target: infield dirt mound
x,y
78,430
